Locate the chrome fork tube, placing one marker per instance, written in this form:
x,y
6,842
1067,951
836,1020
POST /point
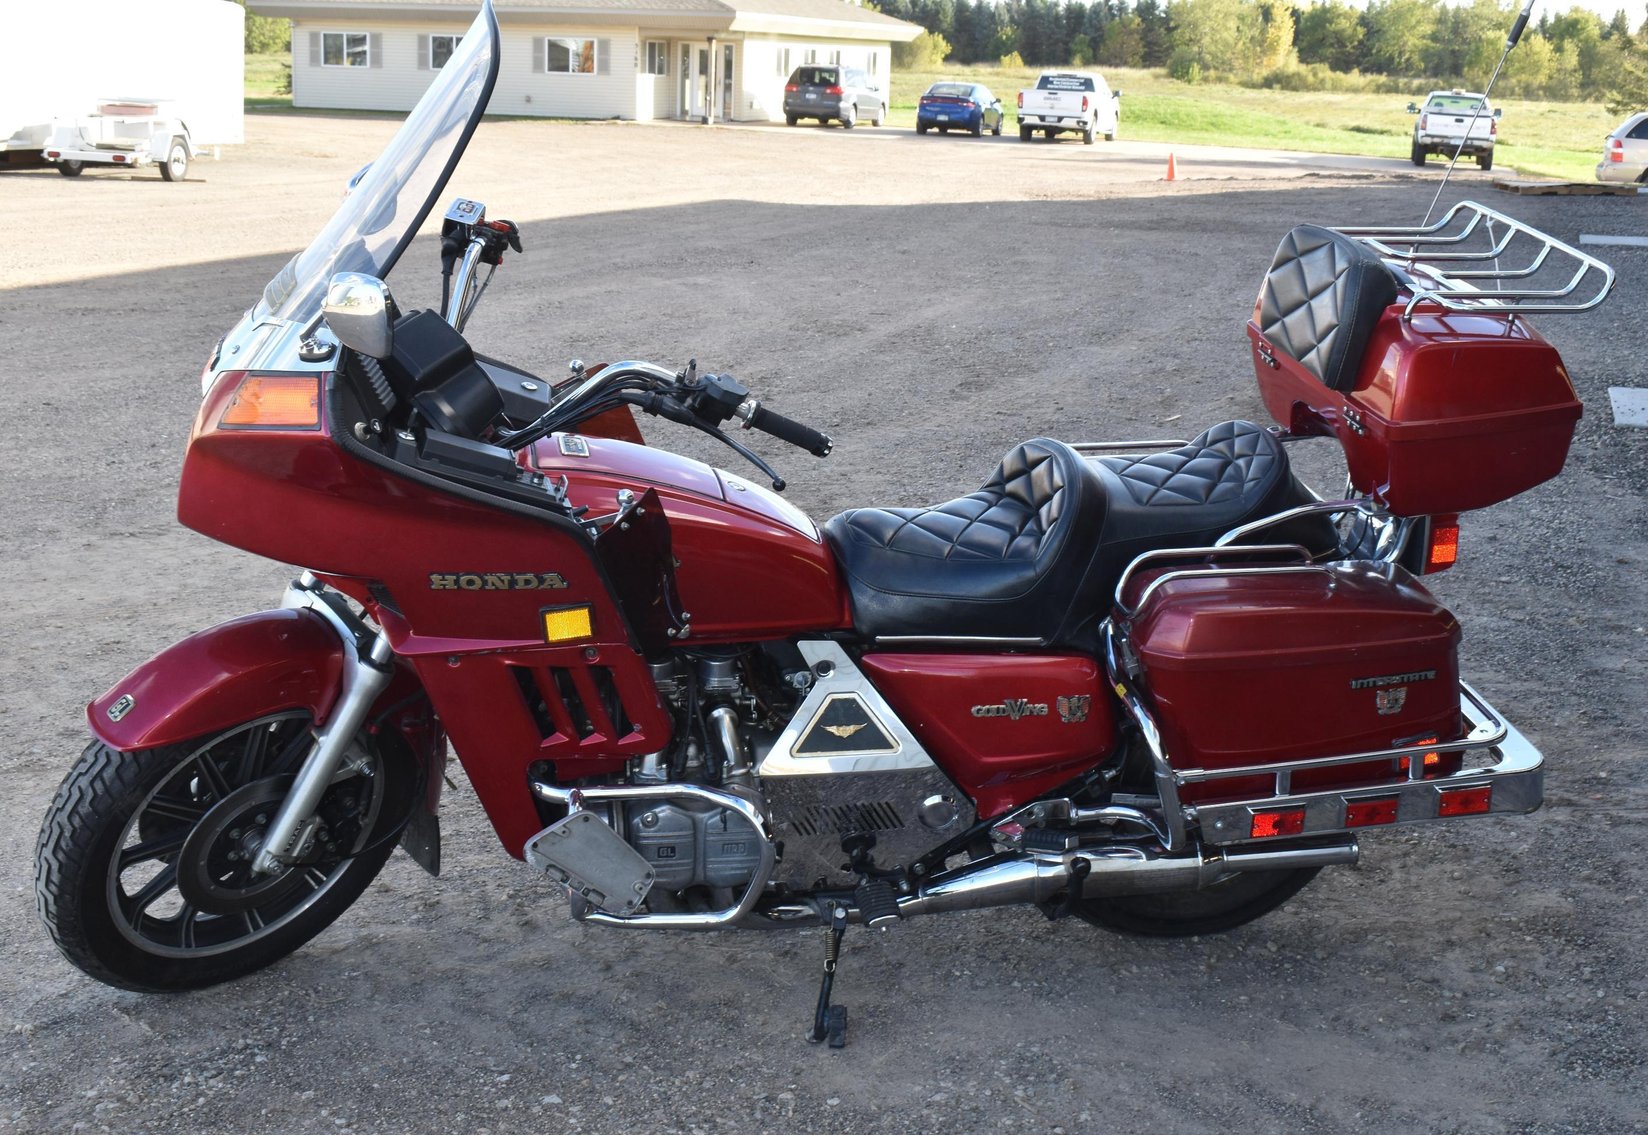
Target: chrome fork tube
x,y
294,824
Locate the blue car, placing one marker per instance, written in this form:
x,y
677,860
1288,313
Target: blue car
x,y
959,106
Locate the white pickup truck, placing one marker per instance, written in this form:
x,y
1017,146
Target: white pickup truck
x,y
1446,118
1076,101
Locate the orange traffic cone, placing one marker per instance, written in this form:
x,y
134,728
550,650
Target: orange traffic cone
x,y
1172,169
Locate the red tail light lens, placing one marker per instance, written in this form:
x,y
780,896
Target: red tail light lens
x,y
1084,103
1616,150
1442,551
1277,822
791,88
1493,128
1424,122
1021,100
274,402
1464,801
1370,813
832,90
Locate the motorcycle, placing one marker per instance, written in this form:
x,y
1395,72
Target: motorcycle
x,y
1157,685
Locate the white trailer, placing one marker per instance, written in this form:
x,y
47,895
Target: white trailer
x,y
69,56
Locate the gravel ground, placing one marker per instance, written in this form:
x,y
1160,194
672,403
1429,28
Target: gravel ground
x,y
1479,977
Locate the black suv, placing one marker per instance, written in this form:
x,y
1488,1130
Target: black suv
x,y
829,90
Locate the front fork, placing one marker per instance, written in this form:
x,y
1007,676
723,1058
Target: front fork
x,y
367,669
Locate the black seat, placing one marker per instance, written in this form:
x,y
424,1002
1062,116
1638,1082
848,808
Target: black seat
x,y
1036,552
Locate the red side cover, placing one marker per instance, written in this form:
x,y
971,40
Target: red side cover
x,y
1006,728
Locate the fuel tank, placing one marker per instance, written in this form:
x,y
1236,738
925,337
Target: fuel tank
x,y
750,564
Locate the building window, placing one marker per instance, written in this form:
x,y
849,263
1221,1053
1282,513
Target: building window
x,y
575,56
835,57
875,63
441,48
812,55
783,63
345,49
657,57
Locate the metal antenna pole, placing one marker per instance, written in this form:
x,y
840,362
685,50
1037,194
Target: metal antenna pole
x,y
1482,104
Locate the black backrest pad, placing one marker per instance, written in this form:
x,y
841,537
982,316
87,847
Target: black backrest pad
x,y
1320,301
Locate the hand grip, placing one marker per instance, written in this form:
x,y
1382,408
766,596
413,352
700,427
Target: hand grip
x,y
784,429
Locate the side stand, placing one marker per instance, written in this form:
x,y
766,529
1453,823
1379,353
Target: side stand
x,y
830,1022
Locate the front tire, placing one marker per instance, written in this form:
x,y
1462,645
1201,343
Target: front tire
x,y
1227,904
142,871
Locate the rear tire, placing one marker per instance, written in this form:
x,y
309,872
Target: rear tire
x,y
1090,134
1050,133
1024,133
920,128
1417,156
978,131
176,164
71,169
790,120
142,868
1227,904
849,120
1484,161
997,130
880,118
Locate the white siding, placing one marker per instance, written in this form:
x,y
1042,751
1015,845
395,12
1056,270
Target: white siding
x,y
395,82
762,94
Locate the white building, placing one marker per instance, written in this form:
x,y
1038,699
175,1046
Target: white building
x,y
634,59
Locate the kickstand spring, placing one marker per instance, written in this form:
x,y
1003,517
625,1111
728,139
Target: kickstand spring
x,y
830,1022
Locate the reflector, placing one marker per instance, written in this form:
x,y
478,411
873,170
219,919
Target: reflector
x,y
566,624
1278,822
1367,813
1443,552
1464,801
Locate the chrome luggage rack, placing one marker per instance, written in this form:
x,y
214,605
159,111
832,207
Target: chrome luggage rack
x,y
1425,259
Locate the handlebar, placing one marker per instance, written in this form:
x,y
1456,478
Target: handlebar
x,y
758,417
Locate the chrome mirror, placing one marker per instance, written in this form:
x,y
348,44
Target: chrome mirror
x,y
359,309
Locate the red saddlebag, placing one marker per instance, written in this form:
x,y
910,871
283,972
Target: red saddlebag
x,y
1247,668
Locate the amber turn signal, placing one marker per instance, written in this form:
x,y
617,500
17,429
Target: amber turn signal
x,y
568,624
274,402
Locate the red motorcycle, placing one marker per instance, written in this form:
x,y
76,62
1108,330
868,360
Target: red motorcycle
x,y
1157,685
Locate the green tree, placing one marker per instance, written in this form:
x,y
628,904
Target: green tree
x,y
1530,68
1399,35
1081,51
924,53
1330,33
1123,44
1207,33
1629,91
1273,35
266,35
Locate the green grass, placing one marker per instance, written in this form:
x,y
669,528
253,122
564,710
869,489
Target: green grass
x,y
265,75
1551,139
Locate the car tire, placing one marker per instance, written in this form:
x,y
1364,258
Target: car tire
x,y
71,169
880,118
849,120
1050,133
978,128
1484,161
176,165
997,130
1113,133
921,128
790,120
1024,133
1418,155
1090,134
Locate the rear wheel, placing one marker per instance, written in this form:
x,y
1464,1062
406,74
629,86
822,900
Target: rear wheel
x,y
1484,161
790,120
1024,133
1417,156
880,118
921,128
177,161
1050,133
71,169
997,130
1090,134
1225,905
143,868
849,118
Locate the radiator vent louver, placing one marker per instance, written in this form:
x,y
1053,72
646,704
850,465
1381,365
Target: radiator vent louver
x,y
839,819
570,704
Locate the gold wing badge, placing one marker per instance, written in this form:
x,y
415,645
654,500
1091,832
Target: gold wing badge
x,y
844,731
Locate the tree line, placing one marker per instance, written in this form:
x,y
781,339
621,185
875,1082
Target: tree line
x,y
1327,45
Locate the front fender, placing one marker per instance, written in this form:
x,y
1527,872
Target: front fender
x,y
231,673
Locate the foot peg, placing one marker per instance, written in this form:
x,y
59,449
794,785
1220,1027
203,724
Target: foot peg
x,y
830,1022
877,902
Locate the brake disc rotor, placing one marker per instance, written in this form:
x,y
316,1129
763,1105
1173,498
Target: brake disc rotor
x,y
214,866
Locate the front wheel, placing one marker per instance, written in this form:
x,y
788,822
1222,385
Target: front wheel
x,y
1224,905
177,161
143,869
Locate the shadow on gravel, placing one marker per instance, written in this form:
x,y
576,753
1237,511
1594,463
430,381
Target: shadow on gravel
x,y
1484,978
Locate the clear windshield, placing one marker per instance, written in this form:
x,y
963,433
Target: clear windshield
x,y
383,212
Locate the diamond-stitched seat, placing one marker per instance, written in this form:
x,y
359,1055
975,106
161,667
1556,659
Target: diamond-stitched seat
x,y
1036,552
1320,301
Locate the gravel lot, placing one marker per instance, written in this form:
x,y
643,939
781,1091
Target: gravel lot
x,y
1483,977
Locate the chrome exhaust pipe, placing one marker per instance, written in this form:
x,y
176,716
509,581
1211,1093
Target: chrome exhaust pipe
x,y
1019,877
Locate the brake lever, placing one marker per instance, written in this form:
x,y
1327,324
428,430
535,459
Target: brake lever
x,y
746,454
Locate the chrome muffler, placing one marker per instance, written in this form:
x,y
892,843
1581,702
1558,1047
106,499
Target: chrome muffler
x,y
1023,877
